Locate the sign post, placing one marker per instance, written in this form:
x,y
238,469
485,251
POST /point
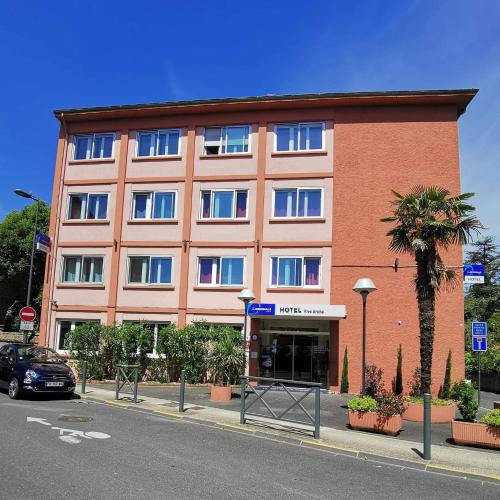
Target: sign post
x,y
479,345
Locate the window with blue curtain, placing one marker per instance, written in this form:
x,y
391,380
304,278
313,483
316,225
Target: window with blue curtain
x,y
227,204
295,271
158,142
164,205
232,271
297,202
299,136
93,146
222,204
97,206
161,270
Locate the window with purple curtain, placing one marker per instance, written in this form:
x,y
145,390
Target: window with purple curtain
x,y
241,204
274,271
205,204
311,269
285,203
309,203
208,270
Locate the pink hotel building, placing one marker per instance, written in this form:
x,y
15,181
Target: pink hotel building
x,y
164,212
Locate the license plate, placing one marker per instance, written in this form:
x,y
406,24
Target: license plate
x,y
54,384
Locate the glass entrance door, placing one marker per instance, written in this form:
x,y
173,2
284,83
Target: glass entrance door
x,y
295,357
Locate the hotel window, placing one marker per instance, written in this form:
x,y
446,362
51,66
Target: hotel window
x,y
295,271
154,205
224,140
299,136
66,326
220,271
93,146
88,206
148,270
224,204
82,269
158,142
298,202
153,329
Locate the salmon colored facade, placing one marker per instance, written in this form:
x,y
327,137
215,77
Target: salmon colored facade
x,y
371,143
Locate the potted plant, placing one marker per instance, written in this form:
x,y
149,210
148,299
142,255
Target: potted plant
x,y
380,414
225,363
467,431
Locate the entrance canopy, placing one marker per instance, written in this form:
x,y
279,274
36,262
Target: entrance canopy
x,y
304,311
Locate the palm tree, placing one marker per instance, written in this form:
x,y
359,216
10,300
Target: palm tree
x,y
427,219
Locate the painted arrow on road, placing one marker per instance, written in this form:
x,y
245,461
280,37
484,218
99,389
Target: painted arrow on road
x,y
39,420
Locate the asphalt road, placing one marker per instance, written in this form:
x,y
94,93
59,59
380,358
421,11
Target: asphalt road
x,y
129,454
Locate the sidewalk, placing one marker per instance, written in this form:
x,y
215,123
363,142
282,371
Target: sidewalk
x,y
453,459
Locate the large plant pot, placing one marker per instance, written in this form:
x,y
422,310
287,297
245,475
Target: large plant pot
x,y
372,421
475,434
220,393
439,414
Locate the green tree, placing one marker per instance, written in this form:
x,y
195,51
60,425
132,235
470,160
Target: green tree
x,y
444,393
344,383
429,219
398,385
16,238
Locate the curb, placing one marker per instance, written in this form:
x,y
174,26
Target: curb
x,y
423,466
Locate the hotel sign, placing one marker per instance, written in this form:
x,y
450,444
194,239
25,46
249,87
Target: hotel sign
x,y
298,311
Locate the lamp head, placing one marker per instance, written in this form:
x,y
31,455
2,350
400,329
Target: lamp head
x,y
246,295
364,285
25,194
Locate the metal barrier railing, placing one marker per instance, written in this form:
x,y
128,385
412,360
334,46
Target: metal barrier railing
x,y
127,375
310,423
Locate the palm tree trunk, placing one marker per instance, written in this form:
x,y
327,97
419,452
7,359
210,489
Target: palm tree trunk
x,y
426,298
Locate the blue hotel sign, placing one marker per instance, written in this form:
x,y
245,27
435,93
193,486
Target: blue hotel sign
x,y
474,273
261,309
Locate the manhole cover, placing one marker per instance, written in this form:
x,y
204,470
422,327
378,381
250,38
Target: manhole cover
x,y
74,418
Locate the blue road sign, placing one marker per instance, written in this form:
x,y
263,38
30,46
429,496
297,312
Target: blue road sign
x,y
479,344
42,242
261,309
474,273
479,329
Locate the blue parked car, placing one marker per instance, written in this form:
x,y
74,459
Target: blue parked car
x,y
34,369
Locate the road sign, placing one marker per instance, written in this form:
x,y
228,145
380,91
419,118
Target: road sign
x,y
479,344
479,329
27,314
42,242
26,325
474,273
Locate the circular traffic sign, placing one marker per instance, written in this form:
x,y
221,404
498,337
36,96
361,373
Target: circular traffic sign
x,y
27,314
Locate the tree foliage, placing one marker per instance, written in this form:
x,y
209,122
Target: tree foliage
x,y
398,384
426,220
16,239
344,383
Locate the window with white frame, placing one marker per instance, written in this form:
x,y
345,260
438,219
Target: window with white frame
x,y
299,136
221,271
163,142
224,140
93,146
88,206
82,269
68,325
297,202
149,270
153,328
224,204
295,271
154,205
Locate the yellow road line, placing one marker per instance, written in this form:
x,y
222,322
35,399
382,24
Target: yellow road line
x,y
331,446
451,469
117,403
167,414
232,426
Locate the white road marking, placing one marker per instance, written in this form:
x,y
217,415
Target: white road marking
x,y
42,421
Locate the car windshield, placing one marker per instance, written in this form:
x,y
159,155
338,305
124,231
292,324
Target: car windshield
x,y
39,355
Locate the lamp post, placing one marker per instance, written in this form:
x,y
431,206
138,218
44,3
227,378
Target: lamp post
x,y
364,286
246,296
25,194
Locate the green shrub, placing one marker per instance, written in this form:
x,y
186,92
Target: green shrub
x,y
390,404
492,418
465,395
398,386
434,402
444,393
373,379
83,343
225,358
344,384
415,385
362,404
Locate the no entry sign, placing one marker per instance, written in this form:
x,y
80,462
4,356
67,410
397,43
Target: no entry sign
x,y
27,314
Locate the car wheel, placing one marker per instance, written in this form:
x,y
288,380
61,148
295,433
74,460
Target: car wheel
x,y
14,390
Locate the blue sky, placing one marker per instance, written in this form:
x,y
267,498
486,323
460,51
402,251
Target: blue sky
x,y
71,53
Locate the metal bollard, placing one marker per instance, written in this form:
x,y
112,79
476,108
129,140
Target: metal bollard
x,y
317,412
136,381
182,391
427,426
117,383
242,400
84,376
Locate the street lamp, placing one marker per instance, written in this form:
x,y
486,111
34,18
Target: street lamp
x,y
246,296
25,194
364,286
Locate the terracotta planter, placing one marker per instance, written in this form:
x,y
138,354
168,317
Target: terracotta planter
x,y
475,434
439,414
220,393
372,421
